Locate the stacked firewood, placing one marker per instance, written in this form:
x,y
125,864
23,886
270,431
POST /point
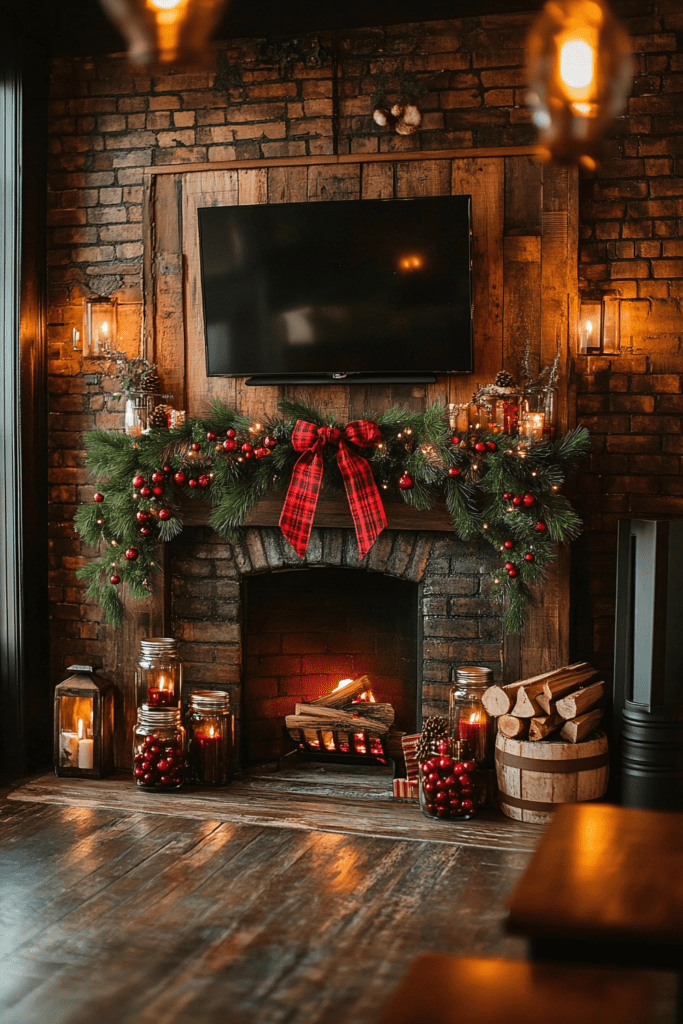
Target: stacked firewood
x,y
345,721
570,700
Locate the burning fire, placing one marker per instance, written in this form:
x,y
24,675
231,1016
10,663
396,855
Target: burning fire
x,y
366,697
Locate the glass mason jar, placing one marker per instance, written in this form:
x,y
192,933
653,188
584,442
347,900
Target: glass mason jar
x,y
446,783
550,411
136,413
211,731
159,675
159,749
532,416
470,724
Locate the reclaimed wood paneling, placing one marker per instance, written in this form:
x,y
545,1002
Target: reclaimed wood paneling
x,y
522,296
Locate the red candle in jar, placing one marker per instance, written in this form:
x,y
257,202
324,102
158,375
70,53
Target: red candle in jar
x,y
210,763
157,698
474,735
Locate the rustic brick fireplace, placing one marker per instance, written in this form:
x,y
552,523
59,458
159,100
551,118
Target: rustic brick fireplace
x,y
275,629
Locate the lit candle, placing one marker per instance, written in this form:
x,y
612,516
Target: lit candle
x,y
161,694
85,747
533,424
210,756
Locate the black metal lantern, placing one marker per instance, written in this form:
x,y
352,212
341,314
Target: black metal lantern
x,y
580,75
84,725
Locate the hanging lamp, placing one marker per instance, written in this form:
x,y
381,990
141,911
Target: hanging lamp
x,y
580,75
165,30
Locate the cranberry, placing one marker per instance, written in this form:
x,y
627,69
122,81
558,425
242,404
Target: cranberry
x,y
170,761
165,780
464,780
450,781
459,768
442,798
139,759
147,777
467,805
424,768
433,763
429,787
453,804
163,765
154,749
138,773
469,766
446,762
442,812
433,776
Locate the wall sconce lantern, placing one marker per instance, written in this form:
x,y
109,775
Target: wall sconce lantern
x,y
599,325
164,30
580,74
84,725
100,329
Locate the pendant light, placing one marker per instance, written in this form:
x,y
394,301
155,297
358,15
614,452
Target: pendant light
x,y
164,30
580,75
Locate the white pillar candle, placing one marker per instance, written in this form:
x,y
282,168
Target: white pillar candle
x,y
85,748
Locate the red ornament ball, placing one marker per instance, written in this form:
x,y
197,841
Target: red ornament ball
x,y
204,481
507,495
142,517
145,531
98,497
210,435
247,447
132,554
492,446
158,477
455,440
231,433
261,453
114,578
406,482
528,500
509,565
249,455
540,527
480,446
179,478
270,441
165,513
529,557
157,491
512,573
196,446
509,545
517,500
168,469
192,482
230,445
146,492
138,481
454,471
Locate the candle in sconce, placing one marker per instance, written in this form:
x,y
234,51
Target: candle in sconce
x,y
85,747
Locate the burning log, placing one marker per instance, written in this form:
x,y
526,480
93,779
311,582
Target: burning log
x,y
347,691
336,720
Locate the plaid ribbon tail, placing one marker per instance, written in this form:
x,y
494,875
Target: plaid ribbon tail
x,y
298,511
369,517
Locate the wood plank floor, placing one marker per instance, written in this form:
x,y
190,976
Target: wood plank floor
x,y
136,918
297,800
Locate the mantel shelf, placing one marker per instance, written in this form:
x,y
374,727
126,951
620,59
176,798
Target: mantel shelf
x,y
331,511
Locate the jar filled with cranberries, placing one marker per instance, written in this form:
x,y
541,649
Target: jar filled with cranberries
x,y
447,783
159,749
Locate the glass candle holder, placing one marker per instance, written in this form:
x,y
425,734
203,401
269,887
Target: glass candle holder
x,y
84,725
477,417
159,749
550,412
211,733
446,783
159,675
532,419
470,724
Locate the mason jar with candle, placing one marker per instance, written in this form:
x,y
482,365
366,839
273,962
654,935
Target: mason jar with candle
x,y
532,417
159,749
469,722
211,732
159,675
84,725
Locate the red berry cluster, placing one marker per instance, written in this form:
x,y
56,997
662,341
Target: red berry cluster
x,y
160,764
448,787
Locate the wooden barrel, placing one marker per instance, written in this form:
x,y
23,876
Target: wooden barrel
x,y
533,778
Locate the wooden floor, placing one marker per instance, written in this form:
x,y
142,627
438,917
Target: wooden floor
x,y
124,917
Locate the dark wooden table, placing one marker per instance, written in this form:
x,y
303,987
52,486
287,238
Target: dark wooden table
x,y
605,886
470,990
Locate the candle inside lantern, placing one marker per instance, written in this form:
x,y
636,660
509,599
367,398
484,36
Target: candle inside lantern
x,y
85,747
533,424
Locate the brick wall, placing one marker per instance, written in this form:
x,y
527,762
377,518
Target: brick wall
x,y
107,125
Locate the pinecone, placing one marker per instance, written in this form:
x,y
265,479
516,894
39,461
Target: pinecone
x,y
434,729
149,383
159,417
505,380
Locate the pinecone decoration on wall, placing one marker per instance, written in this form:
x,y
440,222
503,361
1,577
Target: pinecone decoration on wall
x,y
149,382
435,728
505,380
159,417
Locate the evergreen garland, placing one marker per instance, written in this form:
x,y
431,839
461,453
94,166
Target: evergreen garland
x,y
502,488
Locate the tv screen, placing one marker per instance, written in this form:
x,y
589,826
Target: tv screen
x,y
327,289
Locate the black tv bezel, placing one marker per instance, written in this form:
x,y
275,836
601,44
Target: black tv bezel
x,y
355,377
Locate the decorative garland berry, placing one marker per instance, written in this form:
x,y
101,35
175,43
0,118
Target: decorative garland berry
x,y
417,459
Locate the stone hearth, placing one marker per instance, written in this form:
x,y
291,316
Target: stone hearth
x,y
457,620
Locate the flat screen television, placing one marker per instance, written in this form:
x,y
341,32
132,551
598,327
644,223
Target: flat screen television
x,y
360,290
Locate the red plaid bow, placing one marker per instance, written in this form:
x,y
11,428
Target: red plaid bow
x,y
366,506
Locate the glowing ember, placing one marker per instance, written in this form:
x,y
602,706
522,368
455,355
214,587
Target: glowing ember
x,y
366,697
